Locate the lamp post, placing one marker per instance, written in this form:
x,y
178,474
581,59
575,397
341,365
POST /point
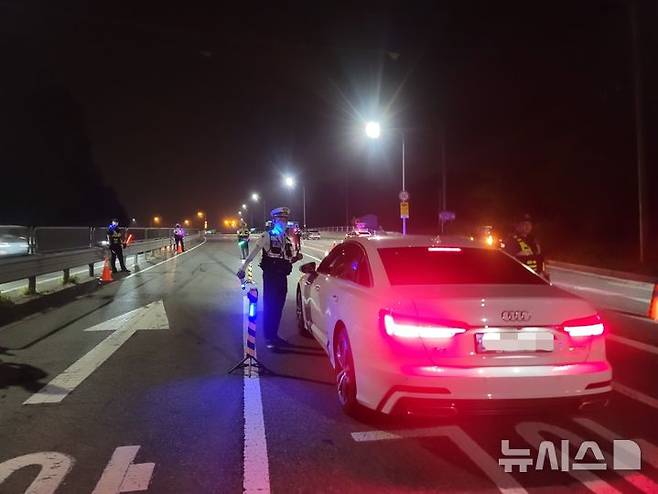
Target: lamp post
x,y
290,182
373,131
255,197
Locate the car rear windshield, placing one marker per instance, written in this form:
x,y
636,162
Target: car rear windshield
x,y
436,266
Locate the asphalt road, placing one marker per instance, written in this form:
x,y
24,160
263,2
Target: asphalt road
x,y
143,402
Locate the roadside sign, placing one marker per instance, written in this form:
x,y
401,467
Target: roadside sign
x,y
447,216
403,196
404,209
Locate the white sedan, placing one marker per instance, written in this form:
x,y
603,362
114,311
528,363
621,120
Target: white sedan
x,y
434,326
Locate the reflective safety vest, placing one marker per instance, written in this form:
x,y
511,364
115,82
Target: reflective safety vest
x,y
529,253
281,247
243,234
115,237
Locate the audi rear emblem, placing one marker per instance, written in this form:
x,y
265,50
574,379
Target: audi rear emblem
x,y
515,315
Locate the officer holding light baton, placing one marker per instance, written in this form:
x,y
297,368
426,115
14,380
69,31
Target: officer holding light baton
x,y
279,253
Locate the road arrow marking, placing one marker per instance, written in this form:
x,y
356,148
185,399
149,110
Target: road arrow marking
x,y
122,475
54,467
151,316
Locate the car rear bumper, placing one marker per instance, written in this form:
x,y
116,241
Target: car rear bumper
x,y
489,385
432,407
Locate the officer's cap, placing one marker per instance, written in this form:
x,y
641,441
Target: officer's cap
x,y
280,212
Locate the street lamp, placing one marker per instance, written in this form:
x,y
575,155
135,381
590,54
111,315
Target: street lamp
x,y
290,182
373,131
187,222
156,220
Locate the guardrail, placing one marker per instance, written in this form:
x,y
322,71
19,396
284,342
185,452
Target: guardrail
x,y
626,292
45,261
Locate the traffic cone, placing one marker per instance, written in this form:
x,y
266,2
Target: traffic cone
x,y
106,276
179,249
653,305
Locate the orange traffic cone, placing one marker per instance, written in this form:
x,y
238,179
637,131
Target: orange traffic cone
x,y
653,305
107,272
179,249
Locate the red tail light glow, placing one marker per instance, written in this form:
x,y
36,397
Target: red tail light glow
x,y
586,326
406,328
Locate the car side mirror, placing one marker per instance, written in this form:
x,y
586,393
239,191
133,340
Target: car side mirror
x,y
307,268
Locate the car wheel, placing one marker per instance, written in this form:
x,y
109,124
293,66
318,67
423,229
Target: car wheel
x,y
345,376
301,325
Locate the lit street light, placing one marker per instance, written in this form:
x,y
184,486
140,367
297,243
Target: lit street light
x,y
244,206
373,131
290,182
156,220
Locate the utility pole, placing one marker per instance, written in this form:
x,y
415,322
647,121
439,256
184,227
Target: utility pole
x,y
639,130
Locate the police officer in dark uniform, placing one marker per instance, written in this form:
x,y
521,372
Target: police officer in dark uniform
x,y
279,254
523,245
115,240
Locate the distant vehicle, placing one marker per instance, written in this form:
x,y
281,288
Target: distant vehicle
x,y
13,245
311,234
358,233
415,325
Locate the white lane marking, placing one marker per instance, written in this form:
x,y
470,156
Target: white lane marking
x,y
151,316
306,246
141,271
122,475
312,257
649,450
256,463
505,483
54,467
635,395
633,343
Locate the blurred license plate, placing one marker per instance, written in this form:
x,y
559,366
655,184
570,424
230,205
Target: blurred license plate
x,y
514,341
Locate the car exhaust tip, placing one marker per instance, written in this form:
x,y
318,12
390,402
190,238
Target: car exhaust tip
x,y
441,412
593,404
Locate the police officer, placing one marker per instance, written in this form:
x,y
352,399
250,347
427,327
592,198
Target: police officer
x,y
523,245
179,235
279,254
243,240
115,240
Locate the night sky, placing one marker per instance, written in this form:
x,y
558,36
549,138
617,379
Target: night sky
x,y
167,108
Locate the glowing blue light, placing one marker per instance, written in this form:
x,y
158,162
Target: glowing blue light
x,y
252,310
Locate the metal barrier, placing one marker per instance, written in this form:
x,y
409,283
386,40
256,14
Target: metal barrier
x,y
45,250
626,292
23,240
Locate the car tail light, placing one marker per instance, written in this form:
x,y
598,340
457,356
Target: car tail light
x,y
444,249
586,326
407,328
